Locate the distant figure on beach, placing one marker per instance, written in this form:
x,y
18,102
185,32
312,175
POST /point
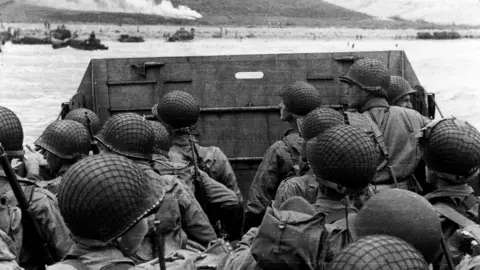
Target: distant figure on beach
x,y
396,45
353,45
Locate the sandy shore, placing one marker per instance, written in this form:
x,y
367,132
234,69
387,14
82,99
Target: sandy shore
x,y
112,32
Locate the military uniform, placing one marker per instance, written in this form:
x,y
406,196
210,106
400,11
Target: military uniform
x,y
54,185
283,159
8,253
102,198
394,129
344,160
313,124
452,154
43,204
131,136
179,111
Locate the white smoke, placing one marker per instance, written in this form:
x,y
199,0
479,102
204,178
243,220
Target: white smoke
x,y
165,8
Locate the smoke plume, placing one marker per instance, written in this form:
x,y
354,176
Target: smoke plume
x,y
165,8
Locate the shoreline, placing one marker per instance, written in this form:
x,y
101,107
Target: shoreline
x,y
113,31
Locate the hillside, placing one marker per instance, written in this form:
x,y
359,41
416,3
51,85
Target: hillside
x,y
437,11
273,13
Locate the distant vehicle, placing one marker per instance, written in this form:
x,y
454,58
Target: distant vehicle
x,y
182,35
128,38
31,40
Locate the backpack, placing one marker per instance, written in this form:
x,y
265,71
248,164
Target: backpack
x,y
290,240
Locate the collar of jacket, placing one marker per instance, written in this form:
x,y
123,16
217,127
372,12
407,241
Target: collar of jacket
x,y
463,190
290,131
375,102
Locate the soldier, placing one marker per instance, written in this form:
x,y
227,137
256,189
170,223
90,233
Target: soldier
x,y
343,159
131,136
403,214
43,204
105,200
63,143
452,154
379,252
399,92
217,195
180,112
80,115
393,128
306,186
282,159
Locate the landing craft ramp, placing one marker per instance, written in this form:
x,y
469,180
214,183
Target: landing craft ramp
x,y
238,94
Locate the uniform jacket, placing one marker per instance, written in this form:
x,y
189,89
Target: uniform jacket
x,y
215,160
44,207
277,165
400,128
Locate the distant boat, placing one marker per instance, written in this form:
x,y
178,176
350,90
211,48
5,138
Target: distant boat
x,y
84,45
128,38
31,40
182,35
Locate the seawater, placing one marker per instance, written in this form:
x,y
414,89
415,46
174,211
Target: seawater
x,y
36,79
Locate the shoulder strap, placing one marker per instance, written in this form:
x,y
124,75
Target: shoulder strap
x,y
339,214
378,134
453,215
77,264
118,266
291,150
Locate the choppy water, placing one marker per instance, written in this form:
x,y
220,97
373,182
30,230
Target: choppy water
x,y
35,80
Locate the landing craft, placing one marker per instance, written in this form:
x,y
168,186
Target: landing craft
x,y
182,35
238,94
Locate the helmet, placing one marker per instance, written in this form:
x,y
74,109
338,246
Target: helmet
x,y
80,115
369,74
399,87
453,147
301,98
67,139
403,214
344,155
103,196
319,120
162,136
178,109
379,252
128,134
11,132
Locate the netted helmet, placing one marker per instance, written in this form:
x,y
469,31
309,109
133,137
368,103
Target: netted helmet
x,y
403,214
128,134
178,109
67,139
163,140
103,196
344,155
379,252
318,121
11,133
370,74
399,87
80,115
452,146
300,98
